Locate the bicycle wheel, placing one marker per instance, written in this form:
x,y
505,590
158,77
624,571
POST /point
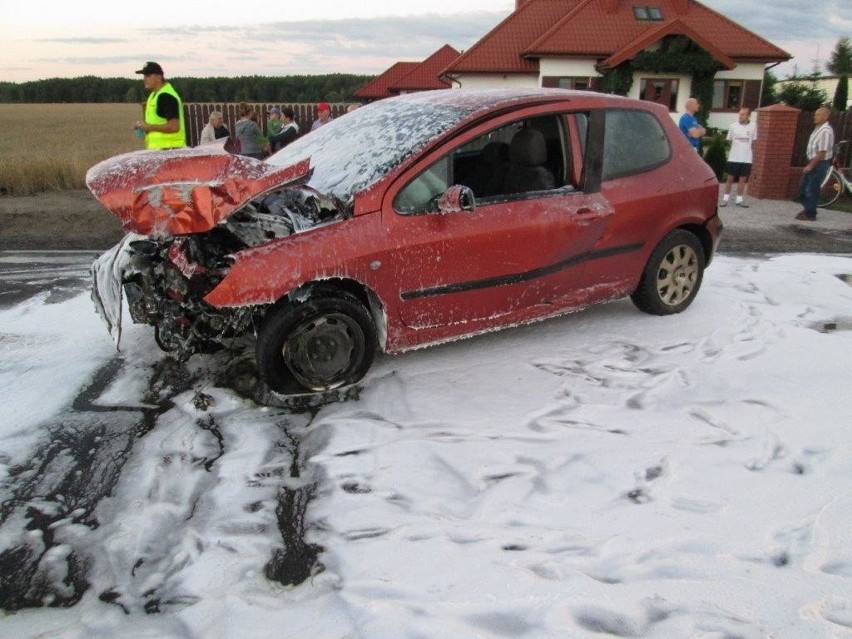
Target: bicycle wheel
x,y
831,189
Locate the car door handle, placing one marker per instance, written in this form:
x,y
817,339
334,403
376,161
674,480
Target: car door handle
x,y
586,212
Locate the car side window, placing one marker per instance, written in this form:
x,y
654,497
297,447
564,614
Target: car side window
x,y
634,142
521,157
420,195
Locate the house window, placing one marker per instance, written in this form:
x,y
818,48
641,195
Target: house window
x,y
660,90
728,95
647,13
567,82
580,84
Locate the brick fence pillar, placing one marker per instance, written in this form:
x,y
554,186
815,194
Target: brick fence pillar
x,y
776,134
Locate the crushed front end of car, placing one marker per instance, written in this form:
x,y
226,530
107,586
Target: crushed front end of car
x,y
183,235
164,282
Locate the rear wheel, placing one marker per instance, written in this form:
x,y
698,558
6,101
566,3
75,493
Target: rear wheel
x,y
672,276
830,190
324,342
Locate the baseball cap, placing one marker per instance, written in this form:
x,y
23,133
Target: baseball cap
x,y
151,68
274,110
323,106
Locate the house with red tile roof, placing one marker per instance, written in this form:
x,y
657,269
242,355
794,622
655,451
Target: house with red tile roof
x,y
658,50
407,77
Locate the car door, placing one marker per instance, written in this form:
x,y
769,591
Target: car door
x,y
515,255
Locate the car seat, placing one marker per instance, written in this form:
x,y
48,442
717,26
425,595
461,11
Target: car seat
x,y
527,156
491,171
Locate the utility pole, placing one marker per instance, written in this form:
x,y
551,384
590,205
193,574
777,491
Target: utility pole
x,y
816,72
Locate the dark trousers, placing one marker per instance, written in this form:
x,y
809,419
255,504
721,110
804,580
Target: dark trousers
x,y
811,183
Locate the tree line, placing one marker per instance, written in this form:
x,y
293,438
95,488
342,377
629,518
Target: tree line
x,y
332,87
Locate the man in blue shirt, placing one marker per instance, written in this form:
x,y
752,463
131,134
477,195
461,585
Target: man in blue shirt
x,y
689,124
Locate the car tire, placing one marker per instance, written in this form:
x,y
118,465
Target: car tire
x,y
323,342
672,276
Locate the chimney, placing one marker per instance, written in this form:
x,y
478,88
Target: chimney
x,y
680,6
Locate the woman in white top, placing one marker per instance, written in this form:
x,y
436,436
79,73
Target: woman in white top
x,y
214,129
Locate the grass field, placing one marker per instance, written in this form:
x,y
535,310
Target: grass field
x,y
49,147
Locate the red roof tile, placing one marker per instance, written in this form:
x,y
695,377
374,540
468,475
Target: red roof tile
x,y
500,49
672,27
379,86
604,29
425,75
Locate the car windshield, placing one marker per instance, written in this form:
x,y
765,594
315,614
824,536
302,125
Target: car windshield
x,y
353,151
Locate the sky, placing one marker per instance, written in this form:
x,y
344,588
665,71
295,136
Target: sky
x,y
602,474
41,39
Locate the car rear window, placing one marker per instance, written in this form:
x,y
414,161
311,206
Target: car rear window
x,y
634,142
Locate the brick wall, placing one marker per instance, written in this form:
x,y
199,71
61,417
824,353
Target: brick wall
x,y
771,175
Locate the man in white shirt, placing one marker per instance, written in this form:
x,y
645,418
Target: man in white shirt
x,y
741,135
819,153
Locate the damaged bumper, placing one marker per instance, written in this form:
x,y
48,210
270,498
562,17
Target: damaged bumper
x,y
164,287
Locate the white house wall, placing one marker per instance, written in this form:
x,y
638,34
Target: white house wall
x,y
492,81
562,68
746,71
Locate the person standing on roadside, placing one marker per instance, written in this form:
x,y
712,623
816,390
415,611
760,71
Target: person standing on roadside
x,y
273,122
741,135
689,124
819,153
323,116
252,143
163,126
289,130
214,129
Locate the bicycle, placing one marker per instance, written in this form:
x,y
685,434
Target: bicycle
x,y
835,183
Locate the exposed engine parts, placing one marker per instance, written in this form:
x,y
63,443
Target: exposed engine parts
x,y
165,279
281,213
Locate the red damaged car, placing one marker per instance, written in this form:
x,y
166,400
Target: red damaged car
x,y
410,221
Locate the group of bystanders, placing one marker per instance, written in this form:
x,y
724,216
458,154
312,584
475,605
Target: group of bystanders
x,y
163,126
742,135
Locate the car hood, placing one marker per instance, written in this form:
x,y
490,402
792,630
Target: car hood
x,y
182,191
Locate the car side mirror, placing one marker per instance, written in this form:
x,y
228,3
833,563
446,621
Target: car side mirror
x,y
456,199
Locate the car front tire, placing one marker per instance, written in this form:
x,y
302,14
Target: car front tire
x,y
672,276
323,342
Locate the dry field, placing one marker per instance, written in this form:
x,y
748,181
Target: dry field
x,y
49,147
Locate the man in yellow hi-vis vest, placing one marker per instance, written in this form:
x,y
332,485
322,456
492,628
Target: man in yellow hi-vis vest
x,y
163,126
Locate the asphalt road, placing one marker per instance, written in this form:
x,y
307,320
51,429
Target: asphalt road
x,y
769,226
62,274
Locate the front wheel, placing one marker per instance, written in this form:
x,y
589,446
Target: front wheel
x,y
830,190
672,276
324,342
